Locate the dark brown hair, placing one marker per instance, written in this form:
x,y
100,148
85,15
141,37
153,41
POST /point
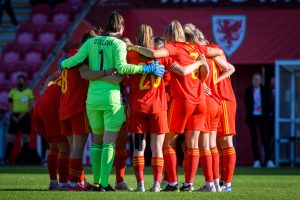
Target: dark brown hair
x,y
96,31
115,22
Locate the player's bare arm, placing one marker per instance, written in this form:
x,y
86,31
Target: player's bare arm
x,y
150,53
221,63
206,89
188,69
50,79
213,52
204,69
88,74
226,74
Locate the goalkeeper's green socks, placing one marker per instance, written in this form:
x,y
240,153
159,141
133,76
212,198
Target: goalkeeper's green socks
x,y
96,152
107,161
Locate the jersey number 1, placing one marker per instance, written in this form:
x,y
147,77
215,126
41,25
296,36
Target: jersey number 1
x,y
101,59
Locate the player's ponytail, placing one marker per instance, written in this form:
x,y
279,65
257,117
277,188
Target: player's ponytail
x,y
193,34
115,22
144,36
174,32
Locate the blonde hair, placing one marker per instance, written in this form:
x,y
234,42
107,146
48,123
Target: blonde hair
x,y
174,32
193,34
144,36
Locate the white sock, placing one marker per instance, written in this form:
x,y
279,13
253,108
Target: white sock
x,y
227,184
187,184
173,184
209,184
156,183
217,181
141,183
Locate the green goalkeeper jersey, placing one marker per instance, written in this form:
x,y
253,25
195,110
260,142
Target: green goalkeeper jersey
x,y
103,52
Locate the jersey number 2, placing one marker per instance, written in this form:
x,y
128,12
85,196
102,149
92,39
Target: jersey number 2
x,y
154,82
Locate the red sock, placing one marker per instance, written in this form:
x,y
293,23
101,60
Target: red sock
x,y
82,176
75,170
63,166
206,163
221,166
52,163
138,163
216,162
165,178
120,163
191,164
170,164
229,159
185,163
157,165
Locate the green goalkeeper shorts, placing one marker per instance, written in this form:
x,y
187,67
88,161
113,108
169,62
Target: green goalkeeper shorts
x,y
106,120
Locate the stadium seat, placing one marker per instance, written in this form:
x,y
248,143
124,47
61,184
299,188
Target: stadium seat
x,y
75,2
5,67
4,98
76,6
14,75
2,77
47,35
24,67
34,55
40,14
12,53
61,14
26,33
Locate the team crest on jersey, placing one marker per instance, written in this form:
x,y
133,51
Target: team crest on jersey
x,y
229,31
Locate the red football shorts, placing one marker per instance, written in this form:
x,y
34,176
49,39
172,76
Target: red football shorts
x,y
184,116
154,123
227,120
48,125
76,125
212,115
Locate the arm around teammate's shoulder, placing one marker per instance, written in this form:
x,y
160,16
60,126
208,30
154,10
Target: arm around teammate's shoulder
x,y
150,53
120,60
78,58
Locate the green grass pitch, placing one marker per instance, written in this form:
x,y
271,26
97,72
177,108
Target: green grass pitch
x,y
32,183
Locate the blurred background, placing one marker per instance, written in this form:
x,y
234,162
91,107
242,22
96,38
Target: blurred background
x,y
260,38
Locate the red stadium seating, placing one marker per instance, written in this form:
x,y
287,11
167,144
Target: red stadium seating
x,y
2,77
4,98
76,6
34,55
26,33
75,2
12,53
14,75
40,14
47,35
61,14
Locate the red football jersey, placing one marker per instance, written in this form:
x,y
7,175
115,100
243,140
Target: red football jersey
x,y
225,88
74,91
185,88
147,93
212,78
51,96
